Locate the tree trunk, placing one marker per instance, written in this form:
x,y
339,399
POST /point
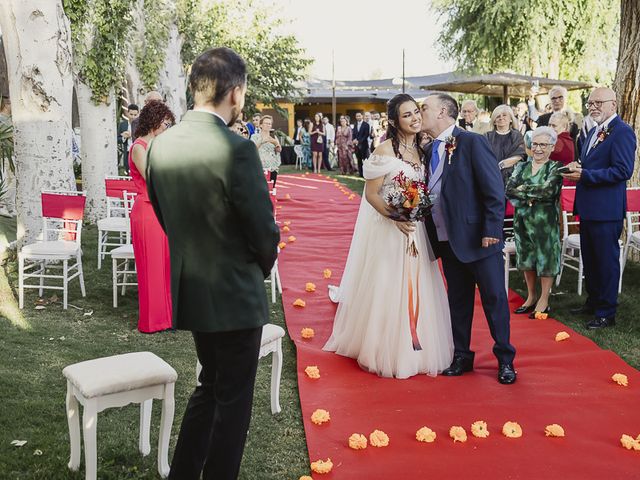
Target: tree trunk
x,y
37,45
99,150
135,40
627,81
173,82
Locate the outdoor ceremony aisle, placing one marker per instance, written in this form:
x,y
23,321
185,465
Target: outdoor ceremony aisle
x,y
567,383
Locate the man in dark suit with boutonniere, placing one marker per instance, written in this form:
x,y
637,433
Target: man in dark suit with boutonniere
x,y
208,190
465,230
608,154
360,135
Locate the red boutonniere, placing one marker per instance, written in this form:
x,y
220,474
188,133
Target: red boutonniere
x,y
450,146
602,136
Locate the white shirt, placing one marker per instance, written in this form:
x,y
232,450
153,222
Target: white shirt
x,y
330,131
599,128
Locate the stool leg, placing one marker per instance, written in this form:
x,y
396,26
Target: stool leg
x,y
73,419
166,421
145,426
89,425
276,372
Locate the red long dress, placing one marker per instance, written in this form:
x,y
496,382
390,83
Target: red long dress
x,y
151,249
564,153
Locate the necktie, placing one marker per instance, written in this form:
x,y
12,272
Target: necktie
x,y
435,158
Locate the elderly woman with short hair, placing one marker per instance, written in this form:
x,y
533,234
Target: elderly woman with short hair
x,y
505,140
534,189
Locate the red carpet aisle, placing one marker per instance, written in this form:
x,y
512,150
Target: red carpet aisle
x,y
568,383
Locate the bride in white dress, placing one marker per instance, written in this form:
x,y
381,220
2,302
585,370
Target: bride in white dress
x,y
393,314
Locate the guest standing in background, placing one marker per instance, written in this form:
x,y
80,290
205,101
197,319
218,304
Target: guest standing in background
x,y
559,96
534,190
150,245
564,151
329,141
297,134
305,141
268,147
125,135
252,126
317,143
360,135
608,157
345,147
469,113
506,142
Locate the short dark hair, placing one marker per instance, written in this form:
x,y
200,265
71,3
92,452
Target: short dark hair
x,y
216,72
132,106
448,102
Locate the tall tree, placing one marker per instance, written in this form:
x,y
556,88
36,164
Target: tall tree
x,y
275,62
627,82
98,31
37,44
569,39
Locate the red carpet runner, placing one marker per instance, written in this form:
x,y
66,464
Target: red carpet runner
x,y
568,383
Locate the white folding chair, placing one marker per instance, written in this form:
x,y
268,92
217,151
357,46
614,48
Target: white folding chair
x,y
274,278
112,229
59,247
299,156
271,342
122,257
633,237
509,248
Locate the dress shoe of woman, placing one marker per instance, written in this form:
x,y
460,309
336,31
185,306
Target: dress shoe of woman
x,y
525,309
546,310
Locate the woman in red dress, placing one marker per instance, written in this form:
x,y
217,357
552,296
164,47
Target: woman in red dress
x,y
150,245
564,151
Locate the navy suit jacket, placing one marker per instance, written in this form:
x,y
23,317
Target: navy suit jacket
x,y
601,192
362,136
472,196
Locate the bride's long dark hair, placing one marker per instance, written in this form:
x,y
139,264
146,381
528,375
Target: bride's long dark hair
x,y
393,107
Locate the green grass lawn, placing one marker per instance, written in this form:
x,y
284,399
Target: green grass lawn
x,y
35,345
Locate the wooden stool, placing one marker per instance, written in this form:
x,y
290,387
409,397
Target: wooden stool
x,y
115,382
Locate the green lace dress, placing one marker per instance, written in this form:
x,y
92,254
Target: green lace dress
x,y
536,229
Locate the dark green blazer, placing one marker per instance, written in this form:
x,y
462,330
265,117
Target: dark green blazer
x,y
208,190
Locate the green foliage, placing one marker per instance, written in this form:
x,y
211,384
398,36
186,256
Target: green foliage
x,y
574,39
151,54
98,32
275,62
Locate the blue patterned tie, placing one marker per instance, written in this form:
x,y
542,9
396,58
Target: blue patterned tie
x,y
435,158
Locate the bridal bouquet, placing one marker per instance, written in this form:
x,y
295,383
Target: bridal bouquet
x,y
408,200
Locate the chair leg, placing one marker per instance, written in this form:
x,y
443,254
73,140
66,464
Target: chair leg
x,y
166,421
20,281
81,275
124,277
622,262
65,283
562,253
114,280
276,373
100,247
145,426
580,273
89,426
41,271
272,281
73,419
278,282
506,272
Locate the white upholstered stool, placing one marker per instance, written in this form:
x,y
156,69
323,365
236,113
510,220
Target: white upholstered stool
x,y
114,382
271,343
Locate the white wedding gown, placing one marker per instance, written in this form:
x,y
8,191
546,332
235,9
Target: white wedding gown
x,y
372,323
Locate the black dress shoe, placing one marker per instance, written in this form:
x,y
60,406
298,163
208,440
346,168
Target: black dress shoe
x,y
525,309
506,374
582,310
546,310
601,322
458,366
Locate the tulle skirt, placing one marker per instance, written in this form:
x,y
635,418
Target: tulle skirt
x,y
380,285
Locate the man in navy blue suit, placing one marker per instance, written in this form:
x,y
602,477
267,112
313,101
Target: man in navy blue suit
x,y
607,155
465,230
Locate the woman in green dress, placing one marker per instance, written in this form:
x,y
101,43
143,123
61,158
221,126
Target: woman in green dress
x,y
534,189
